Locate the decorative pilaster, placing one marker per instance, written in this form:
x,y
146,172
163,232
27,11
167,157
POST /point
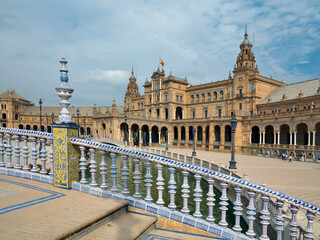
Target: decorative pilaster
x,y
160,185
210,200
125,175
51,157
93,167
265,217
148,181
251,211
43,156
223,204
237,209
83,165
293,223
172,189
114,172
34,154
185,192
137,178
25,153
103,170
17,152
279,220
9,151
197,196
2,149
309,231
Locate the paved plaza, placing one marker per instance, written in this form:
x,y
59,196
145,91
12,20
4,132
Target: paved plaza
x,y
297,179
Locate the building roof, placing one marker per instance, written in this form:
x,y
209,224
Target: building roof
x,y
11,94
292,91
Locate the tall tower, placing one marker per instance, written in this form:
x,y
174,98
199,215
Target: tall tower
x,y
132,91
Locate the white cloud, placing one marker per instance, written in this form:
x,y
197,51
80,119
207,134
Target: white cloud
x,y
114,77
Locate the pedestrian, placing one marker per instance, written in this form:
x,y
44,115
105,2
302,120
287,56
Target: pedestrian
x,y
290,157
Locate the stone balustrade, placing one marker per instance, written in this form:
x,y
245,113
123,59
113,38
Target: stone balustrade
x,y
14,142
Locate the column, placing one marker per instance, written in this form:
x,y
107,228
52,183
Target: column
x,y
263,137
140,137
260,138
309,138
295,138
290,138
159,133
278,138
150,137
129,140
250,138
169,137
182,114
274,137
66,162
313,138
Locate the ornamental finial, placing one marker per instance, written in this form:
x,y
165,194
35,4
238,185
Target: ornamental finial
x,y
64,92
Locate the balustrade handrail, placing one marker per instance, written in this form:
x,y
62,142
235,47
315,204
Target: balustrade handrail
x,y
29,133
202,171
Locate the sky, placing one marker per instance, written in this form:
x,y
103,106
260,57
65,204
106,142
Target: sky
x,y
103,40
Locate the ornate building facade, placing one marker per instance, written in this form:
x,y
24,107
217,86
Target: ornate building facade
x,y
273,117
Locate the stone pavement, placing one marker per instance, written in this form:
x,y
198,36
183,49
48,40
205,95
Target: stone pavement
x,y
297,179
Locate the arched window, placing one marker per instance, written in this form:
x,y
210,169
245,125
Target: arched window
x,y
215,96
203,97
209,97
221,95
192,99
197,98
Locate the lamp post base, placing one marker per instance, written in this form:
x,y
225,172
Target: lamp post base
x,y
194,154
232,165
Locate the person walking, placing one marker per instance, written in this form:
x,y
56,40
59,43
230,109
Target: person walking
x,y
290,157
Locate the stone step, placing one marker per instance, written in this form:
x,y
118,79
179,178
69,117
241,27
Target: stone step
x,y
122,225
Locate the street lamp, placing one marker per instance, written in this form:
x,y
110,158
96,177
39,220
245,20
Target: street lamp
x,y
233,122
78,114
52,116
40,103
194,144
125,128
84,123
167,140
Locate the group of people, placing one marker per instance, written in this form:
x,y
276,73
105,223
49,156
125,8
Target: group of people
x,y
284,156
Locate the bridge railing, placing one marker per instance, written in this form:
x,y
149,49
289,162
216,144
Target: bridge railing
x,y
240,187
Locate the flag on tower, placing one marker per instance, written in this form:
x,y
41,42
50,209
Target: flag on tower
x,y
161,62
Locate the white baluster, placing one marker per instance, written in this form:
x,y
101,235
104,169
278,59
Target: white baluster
x,y
160,185
2,148
223,204
279,220
293,223
251,211
103,170
237,209
93,167
34,154
197,196
137,177
25,153
210,200
83,165
114,172
17,152
43,156
309,231
148,181
51,157
172,189
185,192
265,217
9,151
125,175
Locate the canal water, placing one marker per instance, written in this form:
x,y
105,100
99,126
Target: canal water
x,y
166,196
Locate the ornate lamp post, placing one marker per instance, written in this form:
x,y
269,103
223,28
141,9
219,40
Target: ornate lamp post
x,y
84,122
78,114
233,122
194,144
40,104
125,128
167,140
52,116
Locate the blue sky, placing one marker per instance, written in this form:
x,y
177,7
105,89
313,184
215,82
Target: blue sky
x,y
102,40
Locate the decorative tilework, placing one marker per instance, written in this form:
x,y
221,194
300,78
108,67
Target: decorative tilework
x,y
215,229
189,220
177,216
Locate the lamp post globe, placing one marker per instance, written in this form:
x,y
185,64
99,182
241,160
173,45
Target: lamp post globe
x,y
233,122
194,144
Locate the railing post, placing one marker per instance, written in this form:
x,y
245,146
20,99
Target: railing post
x,y
237,210
83,165
137,177
66,160
93,167
251,211
293,223
25,153
223,204
103,170
160,184
309,231
34,154
2,148
185,192
172,189
114,172
9,151
148,181
265,217
197,196
125,175
17,152
43,156
279,220
210,200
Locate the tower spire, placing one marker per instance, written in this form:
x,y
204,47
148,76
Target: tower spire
x,y
246,34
